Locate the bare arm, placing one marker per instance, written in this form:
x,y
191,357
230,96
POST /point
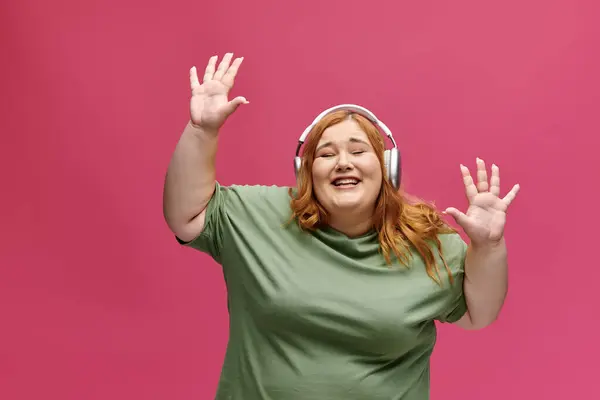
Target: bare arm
x,y
190,178
485,284
190,182
486,268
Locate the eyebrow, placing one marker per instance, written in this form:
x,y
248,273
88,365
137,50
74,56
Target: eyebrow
x,y
352,140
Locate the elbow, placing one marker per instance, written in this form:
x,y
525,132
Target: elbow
x,y
186,230
479,325
176,225
483,321
479,322
177,221
181,230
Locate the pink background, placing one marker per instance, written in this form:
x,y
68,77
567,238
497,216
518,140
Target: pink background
x,y
97,301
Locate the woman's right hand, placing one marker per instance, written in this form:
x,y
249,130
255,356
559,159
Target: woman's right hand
x,y
209,106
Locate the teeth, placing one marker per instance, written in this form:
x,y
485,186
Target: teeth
x,y
339,182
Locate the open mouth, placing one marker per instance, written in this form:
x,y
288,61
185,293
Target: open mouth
x,y
345,182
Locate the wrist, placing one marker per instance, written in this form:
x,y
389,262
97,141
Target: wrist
x,y
489,245
200,131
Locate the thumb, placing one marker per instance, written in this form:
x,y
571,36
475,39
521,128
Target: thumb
x,y
460,217
234,104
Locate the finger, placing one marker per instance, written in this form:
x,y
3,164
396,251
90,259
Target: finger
x,y
470,188
510,196
209,72
234,104
495,181
482,179
194,83
229,77
460,217
223,66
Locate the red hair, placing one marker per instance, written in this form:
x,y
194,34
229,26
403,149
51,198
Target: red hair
x,y
401,224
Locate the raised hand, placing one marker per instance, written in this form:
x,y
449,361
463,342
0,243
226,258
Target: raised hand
x,y
209,105
486,215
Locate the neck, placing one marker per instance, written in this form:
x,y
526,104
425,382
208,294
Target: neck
x,y
352,225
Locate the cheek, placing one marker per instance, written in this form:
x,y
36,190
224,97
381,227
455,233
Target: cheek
x,y
318,180
320,173
372,169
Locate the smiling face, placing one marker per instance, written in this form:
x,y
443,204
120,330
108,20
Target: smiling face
x,y
346,171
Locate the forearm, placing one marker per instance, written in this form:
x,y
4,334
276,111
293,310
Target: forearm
x,y
486,282
190,178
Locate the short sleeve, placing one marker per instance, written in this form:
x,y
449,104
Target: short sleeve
x,y
454,249
236,215
210,240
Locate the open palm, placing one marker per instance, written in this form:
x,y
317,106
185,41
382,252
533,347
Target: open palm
x,y
485,218
209,105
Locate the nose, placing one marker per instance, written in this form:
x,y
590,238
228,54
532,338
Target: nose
x,y
343,163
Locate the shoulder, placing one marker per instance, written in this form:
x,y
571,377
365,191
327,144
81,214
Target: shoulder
x,y
262,191
453,248
251,202
453,304
247,197
235,210
452,242
453,251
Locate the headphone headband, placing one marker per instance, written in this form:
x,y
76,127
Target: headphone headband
x,y
391,157
349,107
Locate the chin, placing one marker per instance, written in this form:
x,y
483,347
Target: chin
x,y
346,205
347,200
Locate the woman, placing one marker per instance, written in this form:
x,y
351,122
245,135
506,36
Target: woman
x,y
333,286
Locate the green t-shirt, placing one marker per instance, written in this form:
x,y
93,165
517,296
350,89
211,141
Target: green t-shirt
x,y
320,316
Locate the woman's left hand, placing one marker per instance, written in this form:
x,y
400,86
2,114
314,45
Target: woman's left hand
x,y
486,216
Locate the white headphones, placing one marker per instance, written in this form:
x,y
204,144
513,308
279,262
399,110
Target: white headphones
x,y
392,159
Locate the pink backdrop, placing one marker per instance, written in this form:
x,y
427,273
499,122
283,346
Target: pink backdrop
x,y
97,301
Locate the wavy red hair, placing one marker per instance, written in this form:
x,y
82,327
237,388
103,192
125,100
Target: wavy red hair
x,y
402,225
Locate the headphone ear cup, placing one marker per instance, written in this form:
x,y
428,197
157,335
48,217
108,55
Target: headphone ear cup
x,y
386,162
393,166
297,165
